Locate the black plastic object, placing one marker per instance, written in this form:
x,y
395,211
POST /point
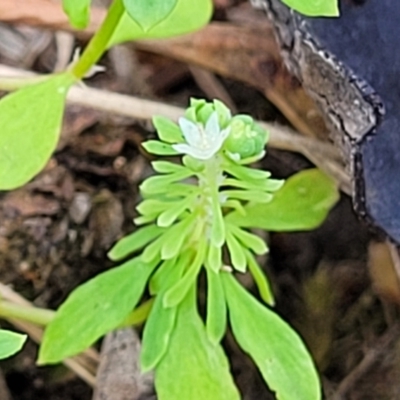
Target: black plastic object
x,y
351,66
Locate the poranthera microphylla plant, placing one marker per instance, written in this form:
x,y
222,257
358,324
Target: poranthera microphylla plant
x,y
195,217
191,217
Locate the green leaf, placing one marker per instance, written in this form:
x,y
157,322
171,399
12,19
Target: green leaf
x,y
249,240
78,12
154,206
169,272
260,279
30,127
315,8
176,236
159,148
236,253
10,343
149,13
179,290
187,16
145,219
246,174
153,250
156,335
167,130
302,204
214,257
166,167
161,183
248,195
168,217
193,368
93,309
217,237
275,347
270,185
135,241
216,307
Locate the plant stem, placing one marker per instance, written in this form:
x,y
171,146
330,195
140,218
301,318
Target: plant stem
x,y
139,315
43,316
99,42
38,316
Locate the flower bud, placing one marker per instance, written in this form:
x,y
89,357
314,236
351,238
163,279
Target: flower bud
x,y
246,138
200,111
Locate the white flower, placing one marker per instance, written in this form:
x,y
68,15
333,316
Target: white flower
x,y
201,142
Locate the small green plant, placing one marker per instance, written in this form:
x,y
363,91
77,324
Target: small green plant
x,y
315,8
194,217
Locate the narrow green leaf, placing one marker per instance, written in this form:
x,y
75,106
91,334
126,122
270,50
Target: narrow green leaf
x,y
315,8
168,217
135,241
248,195
30,127
270,185
145,219
169,272
78,12
10,343
236,205
156,335
160,183
275,347
93,309
166,167
193,368
217,237
167,130
187,16
153,250
246,173
176,236
214,257
249,240
216,307
236,253
153,206
178,291
181,189
159,148
149,13
260,279
302,204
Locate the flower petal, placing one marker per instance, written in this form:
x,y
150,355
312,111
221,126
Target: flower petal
x,y
190,130
212,126
199,154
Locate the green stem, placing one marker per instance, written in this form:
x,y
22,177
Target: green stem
x,y
43,316
99,42
138,315
38,316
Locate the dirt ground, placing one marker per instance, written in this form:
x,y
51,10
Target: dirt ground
x,y
335,285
